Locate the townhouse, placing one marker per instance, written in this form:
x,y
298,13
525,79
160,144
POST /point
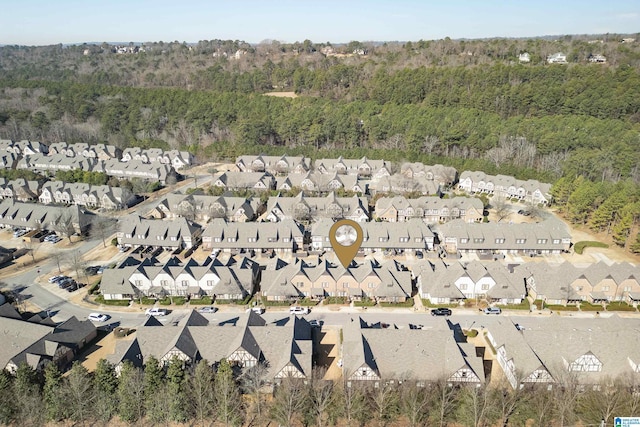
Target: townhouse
x,y
285,237
364,168
285,350
401,184
96,151
37,217
377,356
558,351
408,237
307,208
39,341
135,278
315,182
548,236
204,208
173,158
255,181
275,165
92,196
159,172
446,283
23,147
19,189
8,160
179,233
429,209
442,175
44,164
388,282
531,191
597,283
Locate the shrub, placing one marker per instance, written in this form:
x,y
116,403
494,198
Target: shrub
x,y
470,333
407,303
585,306
366,302
206,300
620,306
336,300
114,241
117,302
582,245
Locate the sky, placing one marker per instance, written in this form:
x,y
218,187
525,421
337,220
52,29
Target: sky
x,y
46,22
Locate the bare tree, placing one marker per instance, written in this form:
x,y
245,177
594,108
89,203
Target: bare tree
x,y
445,399
566,394
77,263
602,402
59,257
287,401
252,382
102,227
384,401
414,402
353,403
320,395
475,406
507,399
64,225
501,207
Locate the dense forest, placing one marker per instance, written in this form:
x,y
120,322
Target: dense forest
x,y
468,104
154,395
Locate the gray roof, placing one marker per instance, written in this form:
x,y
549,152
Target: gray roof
x,y
351,166
322,182
428,206
400,184
245,180
286,234
485,236
330,206
135,230
273,163
34,216
209,206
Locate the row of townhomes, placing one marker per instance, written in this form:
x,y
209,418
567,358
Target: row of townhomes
x,y
364,176
589,351
303,207
179,233
447,283
92,196
567,283
241,277
285,350
532,191
135,278
59,192
544,237
176,159
32,216
429,209
376,355
287,236
50,164
390,282
555,284
39,341
204,208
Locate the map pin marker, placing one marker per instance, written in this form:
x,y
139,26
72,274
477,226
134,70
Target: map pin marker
x,y
346,237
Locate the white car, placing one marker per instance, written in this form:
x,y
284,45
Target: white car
x,y
207,309
492,310
155,311
298,310
257,310
98,317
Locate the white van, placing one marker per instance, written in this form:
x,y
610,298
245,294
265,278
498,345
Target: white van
x,y
155,311
492,310
298,310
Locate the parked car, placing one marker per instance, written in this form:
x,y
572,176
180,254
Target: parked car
x,y
72,287
98,317
54,279
316,323
298,310
207,309
123,249
441,311
519,327
19,233
59,279
492,310
257,310
419,254
155,311
92,269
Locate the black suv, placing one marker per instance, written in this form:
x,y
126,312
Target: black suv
x,y
441,311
